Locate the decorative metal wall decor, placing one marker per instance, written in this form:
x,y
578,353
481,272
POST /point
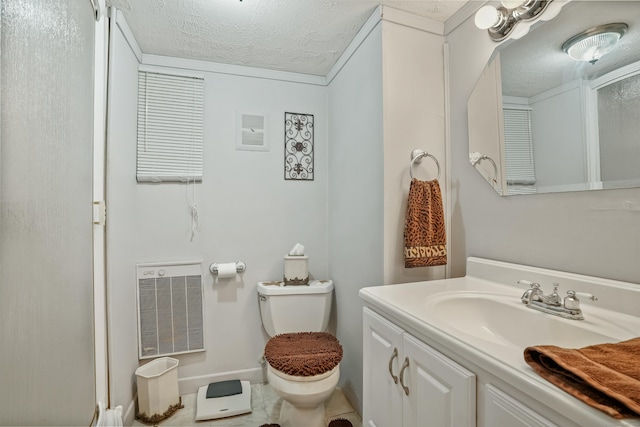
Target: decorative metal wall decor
x,y
298,146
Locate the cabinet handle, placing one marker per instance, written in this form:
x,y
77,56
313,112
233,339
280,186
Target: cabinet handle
x,y
393,356
405,365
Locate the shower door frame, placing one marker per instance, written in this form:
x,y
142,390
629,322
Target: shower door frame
x,y
101,50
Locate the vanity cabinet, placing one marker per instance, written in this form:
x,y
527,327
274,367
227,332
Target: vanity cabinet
x,y
409,384
457,345
504,410
439,391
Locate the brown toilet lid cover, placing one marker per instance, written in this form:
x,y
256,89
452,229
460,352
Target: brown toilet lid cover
x,y
303,354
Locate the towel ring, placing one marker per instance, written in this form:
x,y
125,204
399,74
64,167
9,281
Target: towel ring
x,y
416,157
475,158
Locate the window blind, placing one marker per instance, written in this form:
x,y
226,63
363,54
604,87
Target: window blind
x,y
519,147
170,127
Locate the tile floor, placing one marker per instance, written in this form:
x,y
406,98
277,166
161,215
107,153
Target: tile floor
x,y
265,405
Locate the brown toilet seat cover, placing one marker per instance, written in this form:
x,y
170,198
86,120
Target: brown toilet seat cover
x,y
303,354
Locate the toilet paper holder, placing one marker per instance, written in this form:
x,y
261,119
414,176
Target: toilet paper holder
x,y
240,267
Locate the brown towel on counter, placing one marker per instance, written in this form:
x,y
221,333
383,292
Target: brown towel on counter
x,y
605,376
303,354
425,237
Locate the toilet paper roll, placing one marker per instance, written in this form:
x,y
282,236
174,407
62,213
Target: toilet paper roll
x,y
227,270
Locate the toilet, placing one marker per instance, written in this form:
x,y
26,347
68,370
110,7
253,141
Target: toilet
x,y
302,358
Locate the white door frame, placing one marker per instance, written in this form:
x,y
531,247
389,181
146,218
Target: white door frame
x,y
99,177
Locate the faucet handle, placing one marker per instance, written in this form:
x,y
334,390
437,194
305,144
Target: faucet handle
x,y
554,298
571,301
554,294
587,295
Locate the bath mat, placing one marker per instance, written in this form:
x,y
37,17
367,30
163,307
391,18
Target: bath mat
x,y
339,422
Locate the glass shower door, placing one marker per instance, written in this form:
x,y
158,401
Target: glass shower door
x,y
618,110
46,148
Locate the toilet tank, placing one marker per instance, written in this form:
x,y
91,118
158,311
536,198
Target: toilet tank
x,y
301,308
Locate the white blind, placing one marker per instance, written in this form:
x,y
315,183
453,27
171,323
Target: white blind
x,y
519,147
170,127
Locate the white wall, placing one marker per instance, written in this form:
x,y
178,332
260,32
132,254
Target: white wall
x,y
247,212
387,100
558,131
356,204
350,219
413,82
486,120
590,232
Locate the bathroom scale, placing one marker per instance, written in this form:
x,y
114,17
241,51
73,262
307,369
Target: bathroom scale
x,y
223,399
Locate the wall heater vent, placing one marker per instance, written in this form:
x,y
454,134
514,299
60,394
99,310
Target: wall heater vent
x,y
170,309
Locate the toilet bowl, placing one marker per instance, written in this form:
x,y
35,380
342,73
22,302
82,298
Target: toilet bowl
x,y
303,397
302,359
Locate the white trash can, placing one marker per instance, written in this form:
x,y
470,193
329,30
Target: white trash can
x,y
157,386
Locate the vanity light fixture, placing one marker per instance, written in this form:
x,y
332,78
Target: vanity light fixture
x,y
500,22
590,45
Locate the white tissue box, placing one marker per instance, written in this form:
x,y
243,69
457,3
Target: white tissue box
x,y
296,270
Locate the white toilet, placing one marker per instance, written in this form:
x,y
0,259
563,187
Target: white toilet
x,y
296,317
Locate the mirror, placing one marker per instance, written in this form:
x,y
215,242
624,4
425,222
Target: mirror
x,y
551,123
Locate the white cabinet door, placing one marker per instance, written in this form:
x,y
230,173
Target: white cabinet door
x,y
438,391
382,348
503,410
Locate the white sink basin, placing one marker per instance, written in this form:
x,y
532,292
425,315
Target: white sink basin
x,y
490,318
504,320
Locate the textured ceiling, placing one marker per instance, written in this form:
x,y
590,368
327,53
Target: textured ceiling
x,y
303,36
536,63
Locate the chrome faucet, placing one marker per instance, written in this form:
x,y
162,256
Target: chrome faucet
x,y
532,293
569,308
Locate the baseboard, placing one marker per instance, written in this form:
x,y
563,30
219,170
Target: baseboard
x,y
352,397
130,413
191,385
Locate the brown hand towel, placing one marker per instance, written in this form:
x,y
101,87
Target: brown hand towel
x,y
425,237
605,376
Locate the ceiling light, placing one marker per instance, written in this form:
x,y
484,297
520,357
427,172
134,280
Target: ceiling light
x,y
591,44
